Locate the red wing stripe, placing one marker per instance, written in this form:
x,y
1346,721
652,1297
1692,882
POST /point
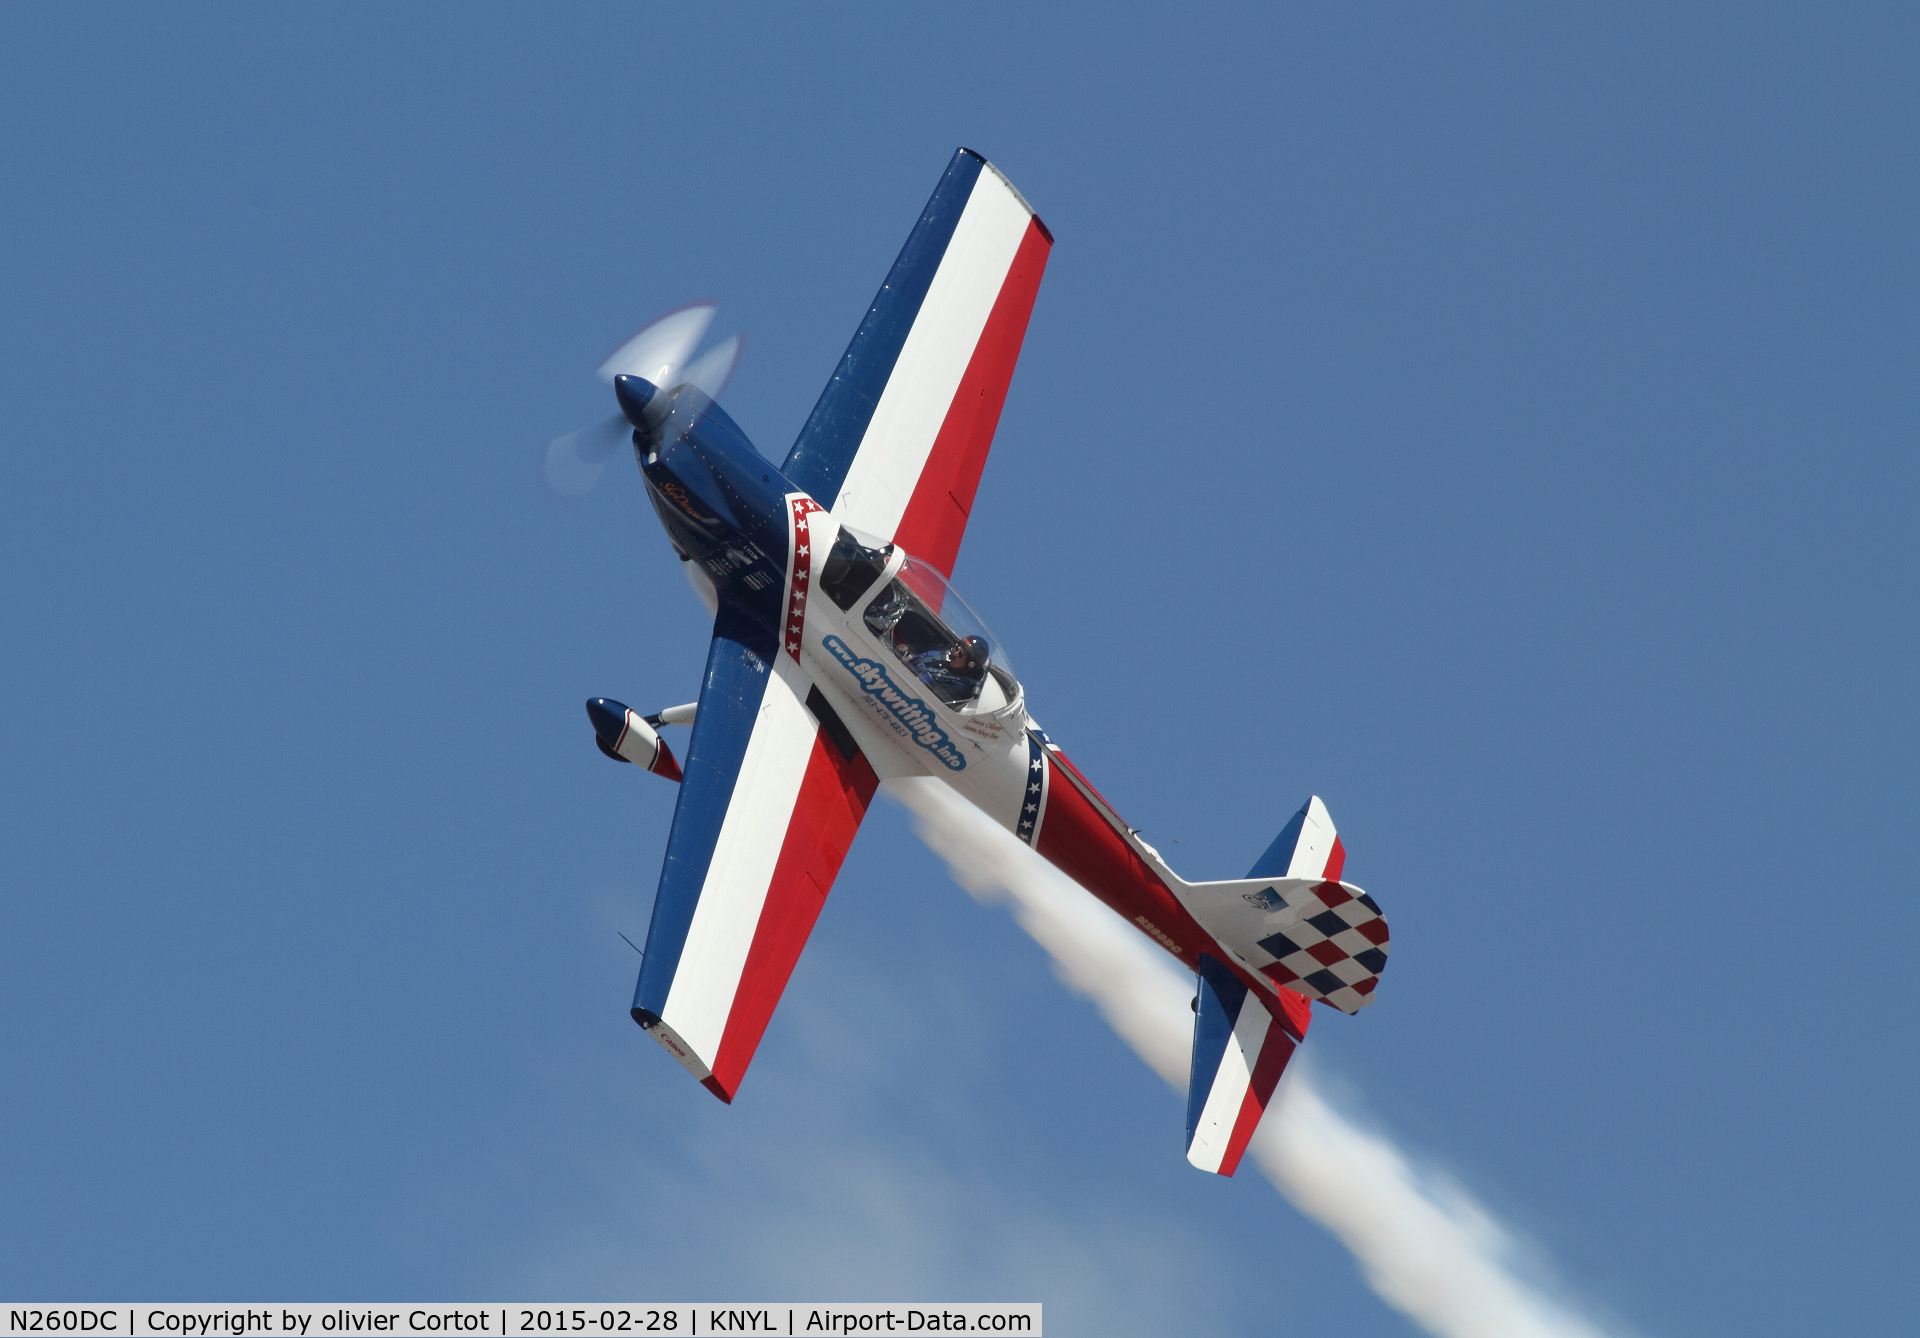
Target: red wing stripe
x,y
833,799
1275,1051
936,516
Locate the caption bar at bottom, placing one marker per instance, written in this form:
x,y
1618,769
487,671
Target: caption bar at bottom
x,y
682,1319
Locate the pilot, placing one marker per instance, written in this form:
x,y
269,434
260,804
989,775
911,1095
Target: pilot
x,y
954,672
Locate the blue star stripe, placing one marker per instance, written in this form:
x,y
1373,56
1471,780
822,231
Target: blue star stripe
x,y
1036,800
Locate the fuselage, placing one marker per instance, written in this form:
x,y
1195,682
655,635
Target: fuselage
x,y
899,667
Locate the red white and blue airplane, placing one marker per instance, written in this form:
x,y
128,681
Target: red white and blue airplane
x,y
841,658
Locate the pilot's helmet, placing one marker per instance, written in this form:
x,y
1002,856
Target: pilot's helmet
x,y
976,651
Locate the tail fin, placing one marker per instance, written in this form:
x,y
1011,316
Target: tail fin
x,y
1294,921
1307,847
1239,1053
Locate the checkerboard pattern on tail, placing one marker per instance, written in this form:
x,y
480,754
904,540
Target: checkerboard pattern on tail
x,y
1330,942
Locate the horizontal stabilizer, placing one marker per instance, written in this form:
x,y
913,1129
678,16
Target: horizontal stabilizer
x,y
1324,939
1239,1053
1294,921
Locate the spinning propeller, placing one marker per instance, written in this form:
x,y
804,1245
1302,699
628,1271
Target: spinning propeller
x,y
661,353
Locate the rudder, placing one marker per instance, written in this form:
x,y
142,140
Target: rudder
x,y
1307,847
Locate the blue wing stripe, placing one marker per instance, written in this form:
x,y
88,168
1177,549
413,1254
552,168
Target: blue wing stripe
x,y
1279,856
824,451
1220,998
730,697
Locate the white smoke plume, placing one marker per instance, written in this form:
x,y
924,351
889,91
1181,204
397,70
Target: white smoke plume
x,y
1423,1244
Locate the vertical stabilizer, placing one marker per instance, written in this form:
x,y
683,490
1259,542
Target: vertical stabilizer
x,y
1307,847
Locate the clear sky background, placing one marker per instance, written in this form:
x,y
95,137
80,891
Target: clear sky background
x,y
1498,420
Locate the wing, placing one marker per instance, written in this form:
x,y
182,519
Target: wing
x,y
897,442
774,791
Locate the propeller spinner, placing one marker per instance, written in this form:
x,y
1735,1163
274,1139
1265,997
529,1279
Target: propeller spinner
x,y
660,354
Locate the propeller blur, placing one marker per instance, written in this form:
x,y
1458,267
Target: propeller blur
x,y
661,354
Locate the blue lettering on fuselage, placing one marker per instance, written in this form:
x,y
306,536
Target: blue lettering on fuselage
x,y
910,711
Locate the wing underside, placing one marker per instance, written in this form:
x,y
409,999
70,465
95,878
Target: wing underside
x,y
769,805
771,800
897,442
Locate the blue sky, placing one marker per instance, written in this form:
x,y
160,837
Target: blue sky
x,y
1498,421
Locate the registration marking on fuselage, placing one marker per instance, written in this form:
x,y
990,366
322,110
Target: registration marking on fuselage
x,y
914,717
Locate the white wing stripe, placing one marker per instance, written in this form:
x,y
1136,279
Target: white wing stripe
x,y
1229,1090
751,837
938,349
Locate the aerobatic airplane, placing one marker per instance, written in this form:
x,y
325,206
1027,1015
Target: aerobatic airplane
x,y
841,657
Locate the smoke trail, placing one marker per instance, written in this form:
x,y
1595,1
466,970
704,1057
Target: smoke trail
x,y
1424,1245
